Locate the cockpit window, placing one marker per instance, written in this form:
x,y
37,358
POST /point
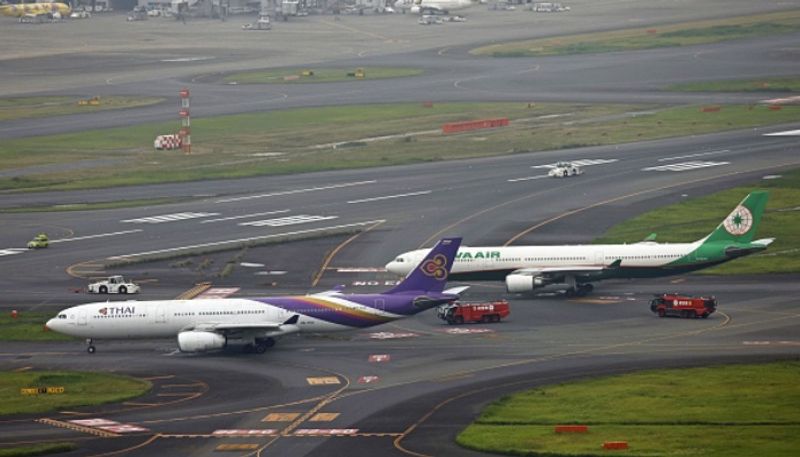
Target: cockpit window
x,y
62,316
399,260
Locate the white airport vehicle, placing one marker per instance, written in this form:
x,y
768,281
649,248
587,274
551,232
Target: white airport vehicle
x,y
114,285
573,268
80,14
565,170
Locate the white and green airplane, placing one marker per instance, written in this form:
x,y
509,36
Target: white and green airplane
x,y
574,267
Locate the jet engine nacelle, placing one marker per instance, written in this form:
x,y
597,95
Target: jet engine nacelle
x,y
521,283
193,341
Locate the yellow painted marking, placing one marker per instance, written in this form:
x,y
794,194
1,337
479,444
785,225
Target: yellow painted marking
x,y
21,369
175,394
280,417
169,386
323,380
677,281
236,447
323,417
155,378
194,291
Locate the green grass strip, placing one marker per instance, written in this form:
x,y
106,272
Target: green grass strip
x,y
38,107
318,75
80,389
682,34
791,84
733,410
28,326
37,449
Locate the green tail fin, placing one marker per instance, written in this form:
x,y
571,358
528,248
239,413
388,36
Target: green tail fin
x,y
742,223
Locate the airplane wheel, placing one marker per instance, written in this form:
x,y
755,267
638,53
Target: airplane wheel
x,y
91,349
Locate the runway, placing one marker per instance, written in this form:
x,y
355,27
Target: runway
x,y
406,388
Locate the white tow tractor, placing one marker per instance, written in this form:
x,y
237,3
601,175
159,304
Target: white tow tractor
x,y
565,170
113,285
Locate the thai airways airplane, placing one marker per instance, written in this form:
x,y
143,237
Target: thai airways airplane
x,y
574,268
255,323
35,9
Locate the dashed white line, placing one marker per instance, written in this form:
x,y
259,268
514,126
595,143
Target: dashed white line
x,y
296,191
527,178
12,251
786,133
245,240
290,220
245,216
685,166
99,235
168,218
689,156
389,197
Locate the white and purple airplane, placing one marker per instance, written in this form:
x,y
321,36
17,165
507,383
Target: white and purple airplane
x,y
254,323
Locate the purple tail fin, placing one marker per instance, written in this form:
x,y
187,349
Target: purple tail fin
x,y
431,274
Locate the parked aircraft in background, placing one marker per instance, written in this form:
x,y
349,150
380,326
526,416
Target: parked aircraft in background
x,y
431,6
35,9
574,268
255,323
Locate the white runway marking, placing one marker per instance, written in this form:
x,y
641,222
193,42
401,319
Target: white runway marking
x,y
786,133
245,216
580,163
12,251
168,218
245,240
289,220
685,166
99,235
689,156
527,178
296,191
389,197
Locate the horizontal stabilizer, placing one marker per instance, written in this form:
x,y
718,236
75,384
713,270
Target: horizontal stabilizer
x,y
456,290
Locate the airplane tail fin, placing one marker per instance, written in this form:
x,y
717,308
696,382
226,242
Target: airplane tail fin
x,y
742,223
432,272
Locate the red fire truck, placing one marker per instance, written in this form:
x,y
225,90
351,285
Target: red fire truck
x,y
458,313
683,305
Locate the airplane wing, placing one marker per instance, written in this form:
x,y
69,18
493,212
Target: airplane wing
x,y
289,326
554,272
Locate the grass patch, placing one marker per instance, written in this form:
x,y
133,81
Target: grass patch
x,y
81,389
91,206
300,140
36,107
791,84
682,34
28,326
693,219
737,410
319,75
37,449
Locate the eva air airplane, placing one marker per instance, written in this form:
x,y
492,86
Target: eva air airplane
x,y
575,267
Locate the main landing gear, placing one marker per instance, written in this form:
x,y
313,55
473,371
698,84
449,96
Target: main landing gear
x,y
579,290
259,347
90,347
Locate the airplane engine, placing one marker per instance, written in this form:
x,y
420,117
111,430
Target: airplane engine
x,y
193,341
520,283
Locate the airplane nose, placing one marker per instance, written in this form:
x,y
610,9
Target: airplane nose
x,y
49,325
